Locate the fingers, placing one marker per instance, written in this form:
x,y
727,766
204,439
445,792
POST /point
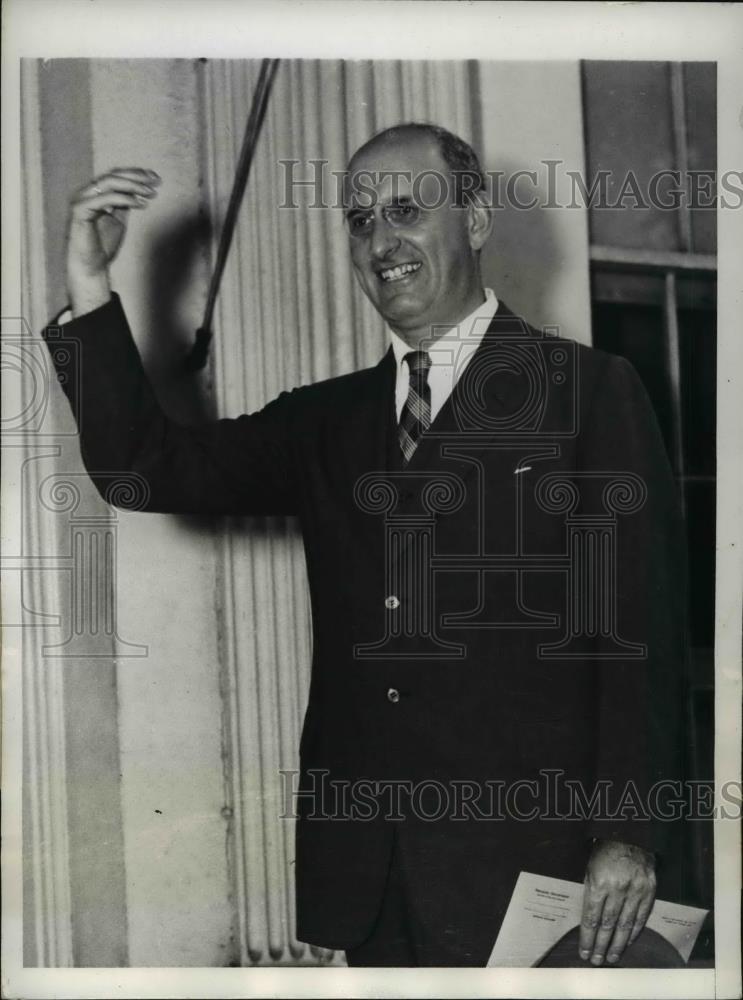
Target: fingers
x,y
122,188
607,918
621,931
643,912
602,930
593,906
133,180
621,922
611,921
605,932
134,173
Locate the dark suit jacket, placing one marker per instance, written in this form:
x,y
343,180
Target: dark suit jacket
x,y
545,463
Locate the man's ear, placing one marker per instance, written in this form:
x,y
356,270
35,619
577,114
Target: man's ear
x,y
479,219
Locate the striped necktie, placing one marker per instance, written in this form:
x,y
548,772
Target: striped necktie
x,y
416,413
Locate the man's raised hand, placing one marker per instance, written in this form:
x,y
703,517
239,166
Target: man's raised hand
x,y
99,213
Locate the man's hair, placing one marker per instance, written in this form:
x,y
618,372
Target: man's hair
x,y
458,155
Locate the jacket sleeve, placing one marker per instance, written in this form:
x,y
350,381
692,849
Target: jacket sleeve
x,y
640,699
232,466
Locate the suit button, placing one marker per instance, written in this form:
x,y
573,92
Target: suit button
x,y
392,602
393,695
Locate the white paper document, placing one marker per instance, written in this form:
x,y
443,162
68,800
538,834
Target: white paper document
x,y
544,909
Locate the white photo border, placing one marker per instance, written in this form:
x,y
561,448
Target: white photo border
x,y
385,29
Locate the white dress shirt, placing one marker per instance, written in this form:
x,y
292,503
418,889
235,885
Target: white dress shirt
x,y
450,355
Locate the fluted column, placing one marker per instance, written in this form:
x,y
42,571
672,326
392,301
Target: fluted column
x,y
47,924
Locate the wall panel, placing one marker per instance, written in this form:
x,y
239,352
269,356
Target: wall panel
x,y
537,258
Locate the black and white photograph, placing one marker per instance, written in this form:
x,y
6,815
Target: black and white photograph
x,y
371,556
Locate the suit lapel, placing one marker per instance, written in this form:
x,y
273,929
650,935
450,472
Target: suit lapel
x,y
482,407
485,401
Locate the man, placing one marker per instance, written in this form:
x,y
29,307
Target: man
x,y
431,492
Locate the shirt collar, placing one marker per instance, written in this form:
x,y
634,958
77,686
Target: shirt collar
x,y
472,328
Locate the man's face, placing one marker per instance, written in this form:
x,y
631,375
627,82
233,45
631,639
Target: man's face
x,y
416,264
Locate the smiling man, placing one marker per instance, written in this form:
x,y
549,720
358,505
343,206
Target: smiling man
x,y
445,680
418,265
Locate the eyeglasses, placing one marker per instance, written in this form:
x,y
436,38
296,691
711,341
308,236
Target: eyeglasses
x,y
360,222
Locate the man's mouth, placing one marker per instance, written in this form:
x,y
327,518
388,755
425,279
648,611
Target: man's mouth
x,y
399,272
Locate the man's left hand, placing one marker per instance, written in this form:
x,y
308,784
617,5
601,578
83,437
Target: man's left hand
x,y
618,896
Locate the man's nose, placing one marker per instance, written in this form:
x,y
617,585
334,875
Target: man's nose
x,y
384,239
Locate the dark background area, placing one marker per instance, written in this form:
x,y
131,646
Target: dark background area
x,y
653,300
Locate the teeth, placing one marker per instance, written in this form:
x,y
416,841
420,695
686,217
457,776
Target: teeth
x,y
395,273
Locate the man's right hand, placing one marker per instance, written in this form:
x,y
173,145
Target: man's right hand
x,y
99,213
